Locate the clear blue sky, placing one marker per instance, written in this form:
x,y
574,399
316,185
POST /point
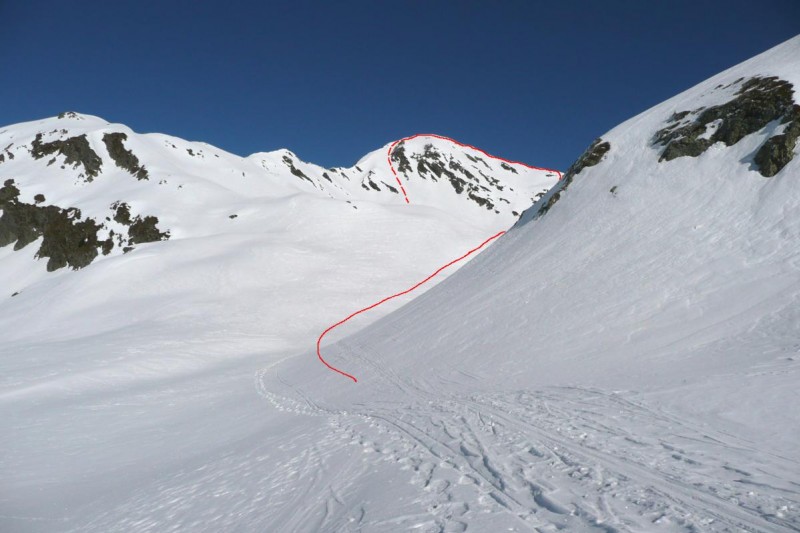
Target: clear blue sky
x,y
528,80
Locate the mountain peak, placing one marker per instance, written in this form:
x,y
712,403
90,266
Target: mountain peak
x,y
112,189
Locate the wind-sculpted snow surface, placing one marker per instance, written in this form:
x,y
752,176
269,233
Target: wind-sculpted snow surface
x,y
551,457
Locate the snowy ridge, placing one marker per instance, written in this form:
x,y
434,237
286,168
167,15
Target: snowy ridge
x,y
191,174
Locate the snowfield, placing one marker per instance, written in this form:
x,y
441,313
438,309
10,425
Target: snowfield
x,y
627,361
625,358
116,374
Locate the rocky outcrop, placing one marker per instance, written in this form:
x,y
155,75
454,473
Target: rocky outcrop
x,y
140,230
399,157
590,157
778,150
758,102
124,158
296,171
76,151
433,165
67,238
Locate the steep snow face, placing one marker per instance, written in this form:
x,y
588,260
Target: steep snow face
x,y
626,358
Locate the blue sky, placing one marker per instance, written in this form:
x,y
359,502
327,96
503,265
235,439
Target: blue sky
x,y
527,80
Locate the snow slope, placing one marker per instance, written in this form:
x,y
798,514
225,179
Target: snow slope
x,y
625,359
141,363
266,224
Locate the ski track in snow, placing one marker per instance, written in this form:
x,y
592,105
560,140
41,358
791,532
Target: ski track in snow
x,y
564,458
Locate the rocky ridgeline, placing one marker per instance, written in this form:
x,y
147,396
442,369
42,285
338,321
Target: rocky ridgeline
x,y
80,154
476,184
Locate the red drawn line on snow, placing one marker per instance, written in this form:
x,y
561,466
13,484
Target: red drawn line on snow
x,y
451,263
376,304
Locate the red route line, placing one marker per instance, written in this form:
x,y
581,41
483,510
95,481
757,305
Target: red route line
x,y
376,304
454,261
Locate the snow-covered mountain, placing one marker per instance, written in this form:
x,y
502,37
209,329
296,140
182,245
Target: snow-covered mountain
x,y
149,265
625,359
293,244
111,189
